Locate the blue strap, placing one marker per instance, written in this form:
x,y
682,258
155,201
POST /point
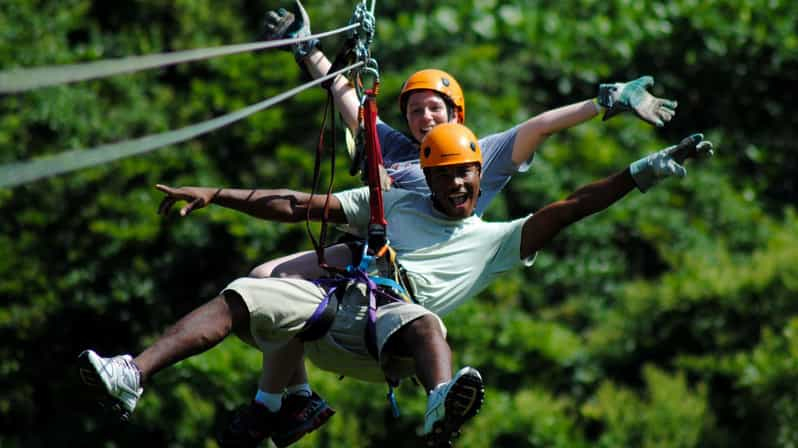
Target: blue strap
x,y
383,281
392,400
365,261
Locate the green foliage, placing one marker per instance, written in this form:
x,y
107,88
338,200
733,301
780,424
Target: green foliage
x,y
668,320
668,413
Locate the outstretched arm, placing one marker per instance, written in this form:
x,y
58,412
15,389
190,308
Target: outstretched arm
x,y
544,225
614,98
273,205
535,130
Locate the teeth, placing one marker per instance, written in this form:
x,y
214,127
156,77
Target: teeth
x,y
458,199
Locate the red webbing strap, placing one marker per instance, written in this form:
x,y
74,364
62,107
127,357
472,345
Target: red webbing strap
x,y
377,237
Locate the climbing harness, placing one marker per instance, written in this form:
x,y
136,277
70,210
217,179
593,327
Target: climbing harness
x,y
387,285
354,51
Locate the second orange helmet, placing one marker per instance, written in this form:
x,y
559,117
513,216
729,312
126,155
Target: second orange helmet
x,y
438,81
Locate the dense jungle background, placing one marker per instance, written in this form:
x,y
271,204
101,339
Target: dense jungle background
x,y
670,320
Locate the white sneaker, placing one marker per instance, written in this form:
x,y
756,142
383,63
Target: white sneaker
x,y
449,406
116,381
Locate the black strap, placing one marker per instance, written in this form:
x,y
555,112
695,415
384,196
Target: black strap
x,y
319,245
344,56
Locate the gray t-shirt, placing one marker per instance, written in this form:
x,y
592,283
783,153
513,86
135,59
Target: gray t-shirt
x,y
447,261
400,157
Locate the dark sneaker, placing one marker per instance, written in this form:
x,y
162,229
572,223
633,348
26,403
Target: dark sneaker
x,y
249,426
451,405
115,382
299,416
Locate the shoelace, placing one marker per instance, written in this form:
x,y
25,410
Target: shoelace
x,y
120,366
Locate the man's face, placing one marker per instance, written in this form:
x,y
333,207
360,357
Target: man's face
x,y
455,188
425,109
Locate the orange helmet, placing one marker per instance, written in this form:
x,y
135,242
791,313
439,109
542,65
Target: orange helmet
x,y
438,81
450,144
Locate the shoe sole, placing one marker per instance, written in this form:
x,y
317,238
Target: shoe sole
x,y
463,402
315,423
94,384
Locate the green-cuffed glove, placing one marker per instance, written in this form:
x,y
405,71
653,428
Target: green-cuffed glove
x,y
282,24
667,162
634,96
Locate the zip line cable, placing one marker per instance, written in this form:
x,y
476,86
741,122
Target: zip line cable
x,y
14,174
20,80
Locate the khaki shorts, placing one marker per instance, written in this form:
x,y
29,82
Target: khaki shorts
x,y
279,308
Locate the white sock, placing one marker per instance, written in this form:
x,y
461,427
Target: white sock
x,y
299,389
273,402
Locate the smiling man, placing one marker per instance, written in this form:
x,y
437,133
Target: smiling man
x,y
449,253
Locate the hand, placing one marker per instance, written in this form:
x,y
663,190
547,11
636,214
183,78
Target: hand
x,y
276,24
634,96
281,24
667,162
692,147
196,197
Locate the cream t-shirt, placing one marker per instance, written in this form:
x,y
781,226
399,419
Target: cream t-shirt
x,y
447,261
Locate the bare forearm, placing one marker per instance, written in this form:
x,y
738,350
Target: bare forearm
x,y
274,205
597,196
345,97
535,130
556,120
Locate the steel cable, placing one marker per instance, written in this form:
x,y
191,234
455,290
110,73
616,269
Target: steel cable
x,y
17,173
22,79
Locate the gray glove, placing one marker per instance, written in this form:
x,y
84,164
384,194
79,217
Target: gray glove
x,y
667,162
634,96
281,24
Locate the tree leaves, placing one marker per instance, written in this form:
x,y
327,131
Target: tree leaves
x,y
667,320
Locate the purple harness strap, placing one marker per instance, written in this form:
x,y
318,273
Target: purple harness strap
x,y
321,319
323,316
317,324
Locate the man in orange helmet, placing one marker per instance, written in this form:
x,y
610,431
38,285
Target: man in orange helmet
x,y
450,255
